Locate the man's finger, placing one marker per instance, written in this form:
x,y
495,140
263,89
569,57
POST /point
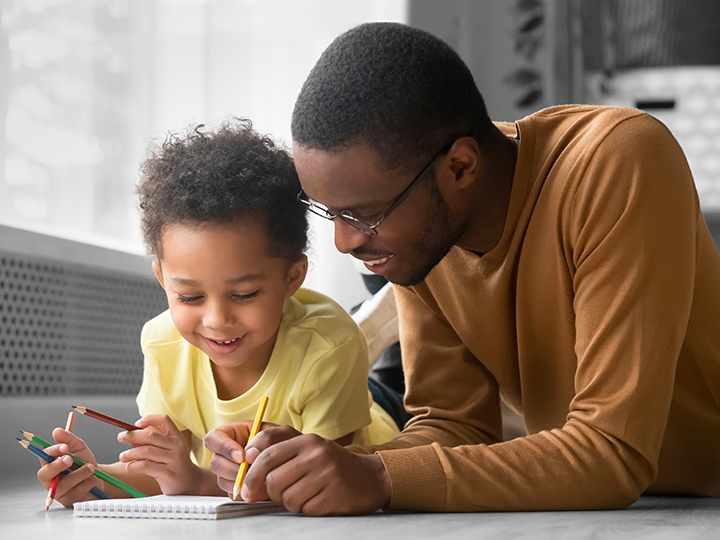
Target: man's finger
x,y
223,468
275,456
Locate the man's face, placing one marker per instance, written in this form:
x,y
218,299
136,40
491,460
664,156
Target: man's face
x,y
411,240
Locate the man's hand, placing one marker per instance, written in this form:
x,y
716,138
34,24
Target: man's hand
x,y
161,451
304,473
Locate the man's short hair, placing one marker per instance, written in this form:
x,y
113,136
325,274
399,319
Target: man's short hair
x,y
399,89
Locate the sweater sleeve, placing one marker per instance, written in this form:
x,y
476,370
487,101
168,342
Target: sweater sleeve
x,y
630,240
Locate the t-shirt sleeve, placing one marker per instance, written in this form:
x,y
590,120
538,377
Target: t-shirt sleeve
x,y
333,399
150,398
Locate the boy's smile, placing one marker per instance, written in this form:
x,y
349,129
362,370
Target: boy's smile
x,y
226,296
226,346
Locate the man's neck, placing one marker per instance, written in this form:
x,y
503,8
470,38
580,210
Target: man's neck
x,y
491,196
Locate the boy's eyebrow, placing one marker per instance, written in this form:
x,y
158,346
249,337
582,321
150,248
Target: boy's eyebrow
x,y
234,281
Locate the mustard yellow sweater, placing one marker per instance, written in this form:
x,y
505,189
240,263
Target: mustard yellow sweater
x,y
597,316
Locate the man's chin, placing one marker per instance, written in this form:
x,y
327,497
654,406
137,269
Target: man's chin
x,y
410,279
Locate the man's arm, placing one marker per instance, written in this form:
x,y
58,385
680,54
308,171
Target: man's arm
x,y
633,262
632,280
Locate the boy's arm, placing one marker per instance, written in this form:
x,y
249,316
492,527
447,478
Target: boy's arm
x,y
148,485
142,482
345,439
161,453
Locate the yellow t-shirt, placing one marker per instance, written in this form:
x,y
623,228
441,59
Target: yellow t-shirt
x,y
316,379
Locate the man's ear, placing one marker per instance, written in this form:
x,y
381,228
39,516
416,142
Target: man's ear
x,y
157,268
464,157
296,275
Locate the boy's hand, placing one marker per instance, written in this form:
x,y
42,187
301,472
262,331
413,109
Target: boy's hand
x,y
226,443
76,486
161,451
304,473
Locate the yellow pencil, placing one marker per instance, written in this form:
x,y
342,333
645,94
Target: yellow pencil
x,y
255,428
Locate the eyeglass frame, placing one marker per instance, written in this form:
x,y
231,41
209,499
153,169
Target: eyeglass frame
x,y
322,211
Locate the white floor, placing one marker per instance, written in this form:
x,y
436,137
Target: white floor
x,y
22,515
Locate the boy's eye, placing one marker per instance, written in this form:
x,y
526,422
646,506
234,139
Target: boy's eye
x,y
187,299
244,297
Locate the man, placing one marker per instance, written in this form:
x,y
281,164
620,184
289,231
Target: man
x,y
560,263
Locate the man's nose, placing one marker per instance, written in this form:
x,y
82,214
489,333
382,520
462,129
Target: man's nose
x,y
347,237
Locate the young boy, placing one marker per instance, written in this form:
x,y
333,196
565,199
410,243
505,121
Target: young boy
x,y
221,221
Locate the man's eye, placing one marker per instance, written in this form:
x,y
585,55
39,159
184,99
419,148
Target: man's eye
x,y
359,215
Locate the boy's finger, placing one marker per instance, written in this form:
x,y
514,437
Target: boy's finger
x,y
149,436
221,440
56,450
50,470
76,486
271,435
69,481
149,453
158,420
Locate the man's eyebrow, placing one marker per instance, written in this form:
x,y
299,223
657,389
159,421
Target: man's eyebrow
x,y
355,207
233,281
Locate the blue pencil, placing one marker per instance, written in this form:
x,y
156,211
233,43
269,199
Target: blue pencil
x,y
100,494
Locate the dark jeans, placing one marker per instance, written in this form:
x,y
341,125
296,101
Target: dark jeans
x,y
390,400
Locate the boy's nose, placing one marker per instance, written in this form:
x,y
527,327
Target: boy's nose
x,y
347,237
218,316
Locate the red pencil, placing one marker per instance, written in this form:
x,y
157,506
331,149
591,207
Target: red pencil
x,y
104,418
56,480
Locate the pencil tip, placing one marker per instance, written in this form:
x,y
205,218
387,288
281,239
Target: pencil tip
x,y
236,492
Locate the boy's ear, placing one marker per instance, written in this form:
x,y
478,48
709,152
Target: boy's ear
x,y
296,275
157,268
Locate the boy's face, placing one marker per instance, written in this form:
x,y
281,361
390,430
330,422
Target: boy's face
x,y
226,293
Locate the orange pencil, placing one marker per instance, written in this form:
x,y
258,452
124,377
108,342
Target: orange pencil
x,y
56,480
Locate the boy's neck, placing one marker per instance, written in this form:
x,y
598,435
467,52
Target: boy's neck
x,y
233,382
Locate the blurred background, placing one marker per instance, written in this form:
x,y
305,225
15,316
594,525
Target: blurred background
x,y
85,85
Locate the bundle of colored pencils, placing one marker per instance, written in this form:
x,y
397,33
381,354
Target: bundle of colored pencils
x,y
77,462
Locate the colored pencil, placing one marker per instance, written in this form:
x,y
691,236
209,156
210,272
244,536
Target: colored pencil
x,y
104,418
102,475
56,480
242,471
100,494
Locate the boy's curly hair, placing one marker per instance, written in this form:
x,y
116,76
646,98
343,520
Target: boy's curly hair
x,y
207,177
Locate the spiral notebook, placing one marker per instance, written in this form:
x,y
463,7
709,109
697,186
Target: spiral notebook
x,y
173,507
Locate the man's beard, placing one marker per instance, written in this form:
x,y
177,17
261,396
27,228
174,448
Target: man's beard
x,y
439,235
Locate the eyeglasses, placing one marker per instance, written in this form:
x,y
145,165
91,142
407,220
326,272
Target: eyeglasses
x,y
369,229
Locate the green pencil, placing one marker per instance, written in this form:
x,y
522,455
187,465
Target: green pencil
x,y
102,475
